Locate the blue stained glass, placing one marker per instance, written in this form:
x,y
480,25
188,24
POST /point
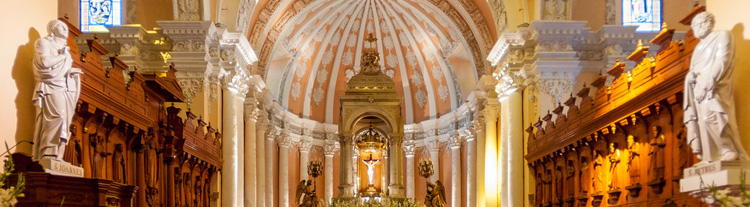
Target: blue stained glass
x,y
96,15
646,14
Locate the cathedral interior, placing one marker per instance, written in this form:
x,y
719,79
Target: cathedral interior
x,y
461,103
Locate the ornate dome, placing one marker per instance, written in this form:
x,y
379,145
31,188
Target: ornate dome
x,y
320,50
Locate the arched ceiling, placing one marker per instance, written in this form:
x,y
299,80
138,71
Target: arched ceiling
x,y
310,49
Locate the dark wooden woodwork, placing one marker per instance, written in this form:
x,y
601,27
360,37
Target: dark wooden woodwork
x,y
645,104
133,149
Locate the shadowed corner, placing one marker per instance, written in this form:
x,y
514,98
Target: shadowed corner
x,y
741,75
24,77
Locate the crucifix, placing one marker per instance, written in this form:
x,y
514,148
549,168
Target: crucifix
x,y
370,168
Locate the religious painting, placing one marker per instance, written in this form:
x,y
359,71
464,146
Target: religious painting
x,y
646,14
96,15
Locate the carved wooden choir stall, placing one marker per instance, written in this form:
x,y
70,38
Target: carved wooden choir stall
x,y
626,145
134,150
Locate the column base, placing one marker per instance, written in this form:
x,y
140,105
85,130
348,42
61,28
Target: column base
x,y
346,191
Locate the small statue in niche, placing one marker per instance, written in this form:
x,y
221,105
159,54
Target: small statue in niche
x,y
614,160
58,86
583,176
597,183
118,165
708,101
178,186
197,190
99,154
539,189
634,162
548,187
657,153
570,170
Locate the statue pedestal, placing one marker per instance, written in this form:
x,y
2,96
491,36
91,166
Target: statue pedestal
x,y
59,167
723,175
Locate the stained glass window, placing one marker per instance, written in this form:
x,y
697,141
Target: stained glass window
x,y
646,14
96,15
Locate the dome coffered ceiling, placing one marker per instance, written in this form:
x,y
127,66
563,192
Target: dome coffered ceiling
x,y
307,61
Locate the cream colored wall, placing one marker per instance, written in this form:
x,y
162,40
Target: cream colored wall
x,y
22,22
732,15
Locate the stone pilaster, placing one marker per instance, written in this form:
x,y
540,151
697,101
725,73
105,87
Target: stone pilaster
x,y
471,181
270,165
396,185
346,180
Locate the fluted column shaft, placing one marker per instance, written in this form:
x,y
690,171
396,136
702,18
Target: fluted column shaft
x,y
232,169
251,179
455,173
284,200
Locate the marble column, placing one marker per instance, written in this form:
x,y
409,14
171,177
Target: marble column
x,y
232,172
515,150
471,181
502,167
477,126
284,146
251,179
355,171
304,158
455,146
346,180
270,137
434,148
396,158
385,169
329,151
410,150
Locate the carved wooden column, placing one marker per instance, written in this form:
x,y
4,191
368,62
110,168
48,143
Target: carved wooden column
x,y
251,169
140,175
410,149
434,147
455,146
284,146
304,157
329,151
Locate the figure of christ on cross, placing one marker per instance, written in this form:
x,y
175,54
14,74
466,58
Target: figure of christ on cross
x,y
370,167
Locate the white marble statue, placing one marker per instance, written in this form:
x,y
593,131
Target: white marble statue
x,y
708,102
56,93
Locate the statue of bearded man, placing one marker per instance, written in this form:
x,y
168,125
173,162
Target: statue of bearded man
x,y
57,89
708,101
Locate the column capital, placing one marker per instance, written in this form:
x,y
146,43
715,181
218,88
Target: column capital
x,y
304,146
433,146
251,111
454,142
284,140
410,148
329,149
191,87
236,81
